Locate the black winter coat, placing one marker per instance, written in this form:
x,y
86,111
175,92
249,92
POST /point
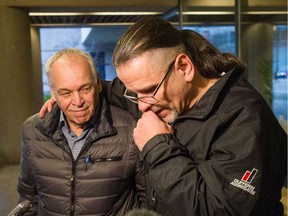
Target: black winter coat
x,y
228,155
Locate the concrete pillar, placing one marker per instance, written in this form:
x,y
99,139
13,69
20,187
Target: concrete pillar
x,y
257,52
16,88
36,69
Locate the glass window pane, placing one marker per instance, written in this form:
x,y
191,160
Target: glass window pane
x,y
223,37
280,72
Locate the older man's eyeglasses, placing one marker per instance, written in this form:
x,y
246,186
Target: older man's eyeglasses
x,y
151,98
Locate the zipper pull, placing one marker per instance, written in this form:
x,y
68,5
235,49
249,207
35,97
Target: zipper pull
x,y
153,199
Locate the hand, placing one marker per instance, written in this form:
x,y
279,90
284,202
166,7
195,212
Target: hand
x,y
148,126
46,107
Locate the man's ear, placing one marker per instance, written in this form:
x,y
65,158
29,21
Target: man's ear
x,y
185,66
52,93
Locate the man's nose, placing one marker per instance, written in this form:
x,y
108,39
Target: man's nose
x,y
143,107
77,99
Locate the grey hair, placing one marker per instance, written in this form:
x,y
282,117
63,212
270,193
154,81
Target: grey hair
x,y
71,51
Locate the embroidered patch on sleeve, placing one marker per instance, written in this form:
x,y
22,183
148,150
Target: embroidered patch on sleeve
x,y
245,182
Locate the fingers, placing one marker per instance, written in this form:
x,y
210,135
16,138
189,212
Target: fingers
x,y
50,106
148,126
47,106
43,110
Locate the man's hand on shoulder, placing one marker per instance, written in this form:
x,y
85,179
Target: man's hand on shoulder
x,y
47,106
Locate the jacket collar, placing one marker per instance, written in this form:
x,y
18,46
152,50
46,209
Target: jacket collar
x,y
101,121
206,104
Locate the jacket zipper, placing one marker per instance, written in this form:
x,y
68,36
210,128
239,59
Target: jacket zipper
x,y
72,180
153,199
74,164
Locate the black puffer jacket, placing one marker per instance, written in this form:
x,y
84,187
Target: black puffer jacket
x,y
111,183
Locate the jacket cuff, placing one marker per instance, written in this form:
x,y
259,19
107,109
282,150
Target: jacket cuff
x,y
156,140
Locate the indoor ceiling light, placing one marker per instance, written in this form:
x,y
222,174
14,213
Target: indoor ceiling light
x,y
92,13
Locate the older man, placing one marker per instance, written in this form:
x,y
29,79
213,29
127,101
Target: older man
x,y
81,158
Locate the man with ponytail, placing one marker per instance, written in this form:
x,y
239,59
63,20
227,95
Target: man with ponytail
x,y
210,143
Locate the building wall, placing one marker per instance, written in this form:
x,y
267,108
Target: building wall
x,y
16,94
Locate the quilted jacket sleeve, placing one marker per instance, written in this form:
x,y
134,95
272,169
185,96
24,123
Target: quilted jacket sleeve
x,y
26,184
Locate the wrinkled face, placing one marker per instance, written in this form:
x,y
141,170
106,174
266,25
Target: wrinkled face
x,y
142,76
74,88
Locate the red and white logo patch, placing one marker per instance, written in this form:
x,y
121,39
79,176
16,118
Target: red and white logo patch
x,y
245,182
249,175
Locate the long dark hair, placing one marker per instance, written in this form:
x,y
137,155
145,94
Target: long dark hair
x,y
153,33
208,60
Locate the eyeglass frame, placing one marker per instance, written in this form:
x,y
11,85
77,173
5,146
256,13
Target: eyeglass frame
x,y
136,99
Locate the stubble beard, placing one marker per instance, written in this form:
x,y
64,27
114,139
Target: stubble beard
x,y
171,117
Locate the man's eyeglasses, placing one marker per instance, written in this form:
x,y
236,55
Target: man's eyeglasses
x,y
149,99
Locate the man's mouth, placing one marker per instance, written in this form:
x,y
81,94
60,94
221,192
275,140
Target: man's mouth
x,y
80,110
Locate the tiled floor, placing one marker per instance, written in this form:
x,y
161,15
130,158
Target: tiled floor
x,y
8,193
